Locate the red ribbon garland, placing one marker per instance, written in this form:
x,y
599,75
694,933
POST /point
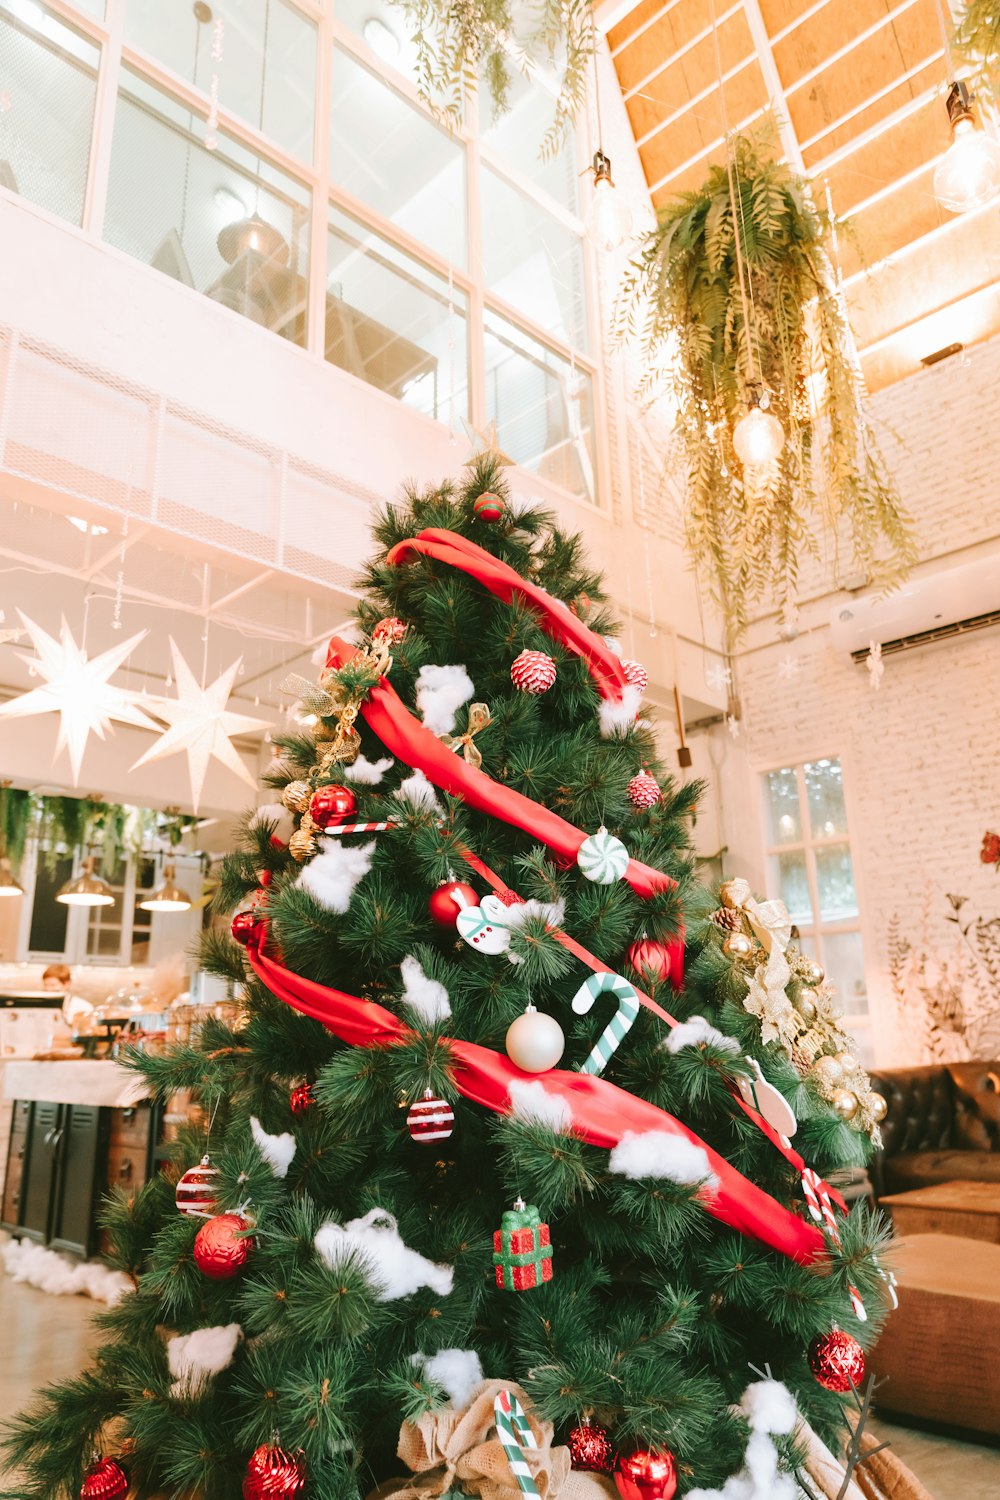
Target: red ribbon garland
x,y
601,1112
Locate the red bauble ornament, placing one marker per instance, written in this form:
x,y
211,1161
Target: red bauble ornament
x,y
643,791
196,1191
590,1448
245,925
390,631
302,1098
222,1246
635,673
104,1480
488,507
332,804
272,1473
837,1361
447,901
533,672
646,1474
430,1119
650,956
264,878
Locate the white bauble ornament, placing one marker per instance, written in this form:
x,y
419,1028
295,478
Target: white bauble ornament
x,y
828,1072
535,1041
602,857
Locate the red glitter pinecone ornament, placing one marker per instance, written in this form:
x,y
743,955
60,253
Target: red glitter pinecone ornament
x,y
643,791
104,1480
273,1473
302,1098
635,673
590,1448
390,631
837,1361
533,672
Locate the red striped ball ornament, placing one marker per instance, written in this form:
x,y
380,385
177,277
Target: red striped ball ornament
x,y
488,507
197,1190
533,672
430,1119
104,1480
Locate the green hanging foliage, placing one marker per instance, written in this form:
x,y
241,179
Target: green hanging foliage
x,y
16,811
977,42
461,42
748,526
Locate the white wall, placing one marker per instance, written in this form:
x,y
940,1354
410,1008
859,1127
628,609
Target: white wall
x,y
922,755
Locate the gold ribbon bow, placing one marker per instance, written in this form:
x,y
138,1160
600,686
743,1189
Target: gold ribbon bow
x,y
766,995
479,719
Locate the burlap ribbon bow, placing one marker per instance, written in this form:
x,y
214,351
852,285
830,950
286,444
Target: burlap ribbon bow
x,y
766,997
479,719
450,1450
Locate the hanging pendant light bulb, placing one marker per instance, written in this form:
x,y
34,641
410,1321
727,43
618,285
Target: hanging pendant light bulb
x,y
87,889
9,883
758,437
968,174
609,218
168,896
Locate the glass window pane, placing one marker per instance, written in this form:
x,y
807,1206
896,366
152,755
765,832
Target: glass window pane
x,y
385,30
835,878
49,916
224,221
543,407
267,66
386,153
517,135
845,969
793,886
532,261
783,806
391,321
48,83
825,793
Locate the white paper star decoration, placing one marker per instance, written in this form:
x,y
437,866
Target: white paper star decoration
x,y
788,667
199,723
719,677
77,688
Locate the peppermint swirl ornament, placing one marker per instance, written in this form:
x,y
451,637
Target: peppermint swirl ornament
x,y
602,858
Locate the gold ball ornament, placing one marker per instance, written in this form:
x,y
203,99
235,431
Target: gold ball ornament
x,y
738,945
806,1007
828,1072
302,845
297,796
878,1108
535,1041
845,1104
848,1062
813,975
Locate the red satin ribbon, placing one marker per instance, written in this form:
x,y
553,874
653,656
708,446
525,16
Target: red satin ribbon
x,y
601,1112
555,618
406,738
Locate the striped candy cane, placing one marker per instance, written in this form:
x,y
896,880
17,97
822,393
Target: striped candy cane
x,y
619,1025
818,1199
339,829
515,1435
858,1306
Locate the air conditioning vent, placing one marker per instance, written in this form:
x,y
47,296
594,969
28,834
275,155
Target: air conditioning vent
x,y
934,605
938,633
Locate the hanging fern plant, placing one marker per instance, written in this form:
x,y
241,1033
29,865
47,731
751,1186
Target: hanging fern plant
x,y
459,42
748,526
977,42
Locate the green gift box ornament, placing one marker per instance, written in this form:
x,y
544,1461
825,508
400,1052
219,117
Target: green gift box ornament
x,y
522,1249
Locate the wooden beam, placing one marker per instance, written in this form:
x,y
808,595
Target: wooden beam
x,y
775,88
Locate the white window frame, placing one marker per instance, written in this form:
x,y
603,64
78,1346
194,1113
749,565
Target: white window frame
x,y
815,931
80,919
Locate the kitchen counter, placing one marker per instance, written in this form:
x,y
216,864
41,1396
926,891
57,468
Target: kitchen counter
x,y
97,1081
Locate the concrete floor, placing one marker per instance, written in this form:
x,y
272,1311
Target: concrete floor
x,y
47,1338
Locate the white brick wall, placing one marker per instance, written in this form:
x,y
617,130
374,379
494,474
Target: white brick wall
x,y
922,755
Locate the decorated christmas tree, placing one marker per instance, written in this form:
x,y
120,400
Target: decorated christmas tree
x,y
511,1177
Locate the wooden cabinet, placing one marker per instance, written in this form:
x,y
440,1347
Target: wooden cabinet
x,y
63,1158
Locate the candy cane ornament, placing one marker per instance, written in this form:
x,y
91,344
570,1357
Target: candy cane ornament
x,y
621,1022
338,830
515,1435
818,1200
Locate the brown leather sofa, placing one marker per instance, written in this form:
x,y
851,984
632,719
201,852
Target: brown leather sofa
x,y
942,1123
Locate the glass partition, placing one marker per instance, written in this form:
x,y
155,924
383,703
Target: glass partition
x,y
517,135
533,261
48,85
225,222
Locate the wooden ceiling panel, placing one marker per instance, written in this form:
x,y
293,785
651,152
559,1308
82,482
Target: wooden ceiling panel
x,y
619,35
888,226
669,38
898,152
691,178
778,15
826,32
700,128
838,139
688,77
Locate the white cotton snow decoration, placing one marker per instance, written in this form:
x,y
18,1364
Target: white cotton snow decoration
x,y
693,1032
277,1150
769,1408
427,996
367,772
417,791
657,1153
441,691
330,877
274,812
526,911
532,1102
195,1357
457,1371
60,1277
618,715
396,1270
